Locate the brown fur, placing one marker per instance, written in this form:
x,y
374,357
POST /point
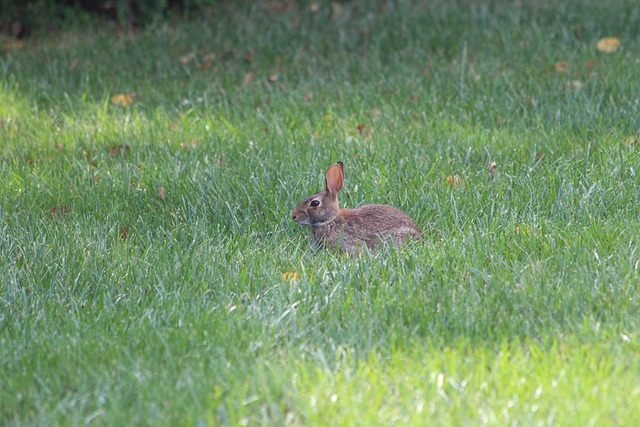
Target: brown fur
x,y
351,229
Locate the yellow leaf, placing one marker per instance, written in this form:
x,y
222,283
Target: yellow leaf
x,y
290,276
123,99
608,44
455,181
188,57
561,67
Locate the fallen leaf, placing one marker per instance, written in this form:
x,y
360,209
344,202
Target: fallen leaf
x,y
290,276
30,161
561,67
60,210
364,130
575,84
161,193
608,44
193,144
248,78
492,169
455,181
59,145
123,99
117,150
188,57
273,77
124,233
307,97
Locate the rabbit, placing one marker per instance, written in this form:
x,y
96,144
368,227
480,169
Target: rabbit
x,y
351,229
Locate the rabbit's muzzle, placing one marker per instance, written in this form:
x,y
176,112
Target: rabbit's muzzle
x,y
299,218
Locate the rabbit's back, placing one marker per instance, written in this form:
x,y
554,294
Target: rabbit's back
x,y
366,225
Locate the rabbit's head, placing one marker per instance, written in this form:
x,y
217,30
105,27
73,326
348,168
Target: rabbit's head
x,y
323,207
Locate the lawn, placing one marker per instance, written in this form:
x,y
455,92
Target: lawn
x,y
150,272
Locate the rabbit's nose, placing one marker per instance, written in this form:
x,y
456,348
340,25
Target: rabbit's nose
x,y
293,215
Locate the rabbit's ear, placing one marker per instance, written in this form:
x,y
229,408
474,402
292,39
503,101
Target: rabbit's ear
x,y
335,178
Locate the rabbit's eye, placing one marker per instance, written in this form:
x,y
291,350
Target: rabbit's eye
x,y
315,203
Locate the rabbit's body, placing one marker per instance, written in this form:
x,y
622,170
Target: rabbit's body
x,y
367,225
351,229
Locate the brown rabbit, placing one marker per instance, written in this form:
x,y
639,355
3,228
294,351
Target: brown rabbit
x,y
351,229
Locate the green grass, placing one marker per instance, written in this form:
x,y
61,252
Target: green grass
x,y
519,307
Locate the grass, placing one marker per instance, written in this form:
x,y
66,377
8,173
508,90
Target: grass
x,y
144,247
